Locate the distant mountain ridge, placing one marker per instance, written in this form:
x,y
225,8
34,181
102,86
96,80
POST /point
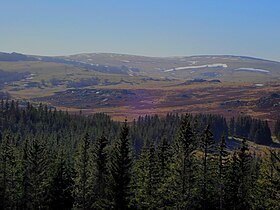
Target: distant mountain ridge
x,y
17,57
14,56
176,67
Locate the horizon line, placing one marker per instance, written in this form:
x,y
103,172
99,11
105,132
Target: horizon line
x,y
141,55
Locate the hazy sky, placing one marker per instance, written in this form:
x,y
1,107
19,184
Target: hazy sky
x,y
143,27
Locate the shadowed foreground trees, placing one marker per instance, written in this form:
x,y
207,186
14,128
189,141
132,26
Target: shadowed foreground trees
x,y
120,169
51,160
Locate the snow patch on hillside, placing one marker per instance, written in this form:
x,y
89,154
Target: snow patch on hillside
x,y
215,65
259,85
253,69
125,61
193,62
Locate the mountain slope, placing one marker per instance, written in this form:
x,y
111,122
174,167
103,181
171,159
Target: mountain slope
x,y
222,67
129,86
226,67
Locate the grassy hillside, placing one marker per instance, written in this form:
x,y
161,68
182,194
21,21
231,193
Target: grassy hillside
x,y
231,85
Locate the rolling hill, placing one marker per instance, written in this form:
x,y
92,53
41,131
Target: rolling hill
x,y
129,86
224,67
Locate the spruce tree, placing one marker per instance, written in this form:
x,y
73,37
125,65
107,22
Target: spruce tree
x,y
101,173
184,159
240,179
83,168
223,156
61,184
166,192
207,147
232,126
37,161
9,173
145,180
245,161
120,169
25,182
277,129
268,193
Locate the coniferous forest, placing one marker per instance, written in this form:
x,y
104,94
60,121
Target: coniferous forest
x,y
50,159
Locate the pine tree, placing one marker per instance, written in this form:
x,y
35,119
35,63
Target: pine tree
x,y
101,173
9,173
25,182
232,183
61,184
277,129
245,167
83,168
145,180
222,173
166,192
120,169
268,184
232,126
207,147
37,173
152,182
166,174
240,179
184,160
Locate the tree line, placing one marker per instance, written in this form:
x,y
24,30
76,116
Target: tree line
x,y
277,129
254,129
52,160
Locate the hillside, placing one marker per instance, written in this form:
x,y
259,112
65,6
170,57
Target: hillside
x,y
225,67
129,86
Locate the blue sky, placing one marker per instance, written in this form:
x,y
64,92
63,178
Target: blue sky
x,y
144,27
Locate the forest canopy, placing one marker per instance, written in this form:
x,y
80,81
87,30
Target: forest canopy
x,y
50,159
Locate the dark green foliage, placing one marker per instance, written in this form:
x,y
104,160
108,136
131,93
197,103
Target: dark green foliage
x,y
223,165
52,160
151,129
277,129
207,170
83,166
120,169
9,173
184,164
101,173
37,164
268,185
232,126
146,180
61,184
240,180
217,123
253,129
166,196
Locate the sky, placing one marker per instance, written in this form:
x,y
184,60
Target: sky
x,y
141,27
